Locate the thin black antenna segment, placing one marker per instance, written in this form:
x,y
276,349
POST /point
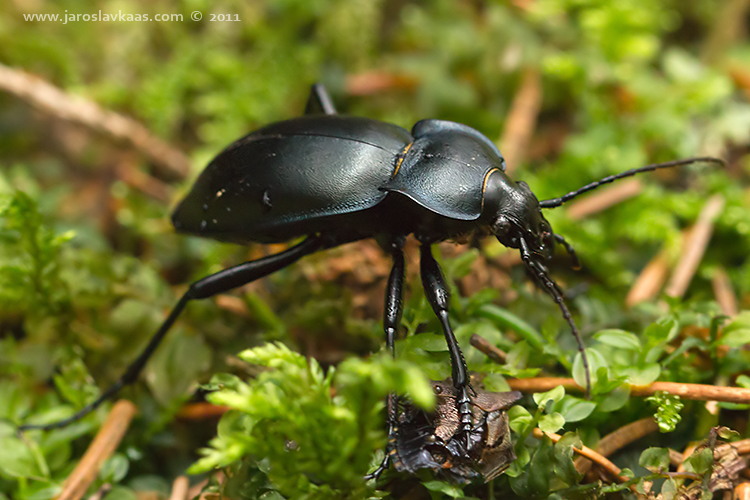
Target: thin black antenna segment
x,y
556,202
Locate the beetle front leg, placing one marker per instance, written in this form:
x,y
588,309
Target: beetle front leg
x,y
209,286
438,296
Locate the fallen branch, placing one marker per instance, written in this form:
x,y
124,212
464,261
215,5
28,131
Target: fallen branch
x,y
56,102
101,448
699,392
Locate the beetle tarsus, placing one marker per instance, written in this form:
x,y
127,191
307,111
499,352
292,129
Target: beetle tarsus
x,y
571,251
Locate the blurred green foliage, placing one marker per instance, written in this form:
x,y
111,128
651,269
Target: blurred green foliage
x,y
89,263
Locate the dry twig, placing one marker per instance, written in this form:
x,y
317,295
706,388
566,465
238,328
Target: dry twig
x,y
698,392
101,448
373,82
201,411
595,457
521,121
618,439
489,350
650,281
180,488
56,102
604,198
723,291
695,247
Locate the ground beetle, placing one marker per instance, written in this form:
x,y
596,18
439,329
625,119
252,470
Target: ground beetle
x,y
337,179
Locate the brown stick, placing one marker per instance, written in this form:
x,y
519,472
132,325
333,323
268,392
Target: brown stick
x,y
604,198
374,82
180,488
232,304
695,247
201,411
595,457
492,352
649,282
620,438
699,392
521,121
55,101
101,448
723,291
742,491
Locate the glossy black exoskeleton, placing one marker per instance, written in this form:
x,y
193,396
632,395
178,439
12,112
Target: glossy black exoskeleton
x,y
429,440
336,179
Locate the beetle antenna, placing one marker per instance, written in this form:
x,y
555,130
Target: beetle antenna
x,y
551,287
556,202
569,248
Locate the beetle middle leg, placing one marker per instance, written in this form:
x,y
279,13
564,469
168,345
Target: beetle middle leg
x,y
438,296
209,286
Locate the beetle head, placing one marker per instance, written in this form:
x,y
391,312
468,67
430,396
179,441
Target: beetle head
x,y
517,216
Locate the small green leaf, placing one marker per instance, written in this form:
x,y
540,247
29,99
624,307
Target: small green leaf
x,y
596,362
700,461
17,459
542,463
615,399
737,333
655,459
575,409
519,419
114,469
620,339
642,375
542,399
743,381
451,490
551,423
728,434
565,468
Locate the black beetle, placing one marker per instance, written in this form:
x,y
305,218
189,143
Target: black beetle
x,y
428,440
338,179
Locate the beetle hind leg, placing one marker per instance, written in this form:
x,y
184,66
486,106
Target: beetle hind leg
x,y
209,286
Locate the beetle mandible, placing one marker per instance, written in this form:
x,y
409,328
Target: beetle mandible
x,y
336,179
